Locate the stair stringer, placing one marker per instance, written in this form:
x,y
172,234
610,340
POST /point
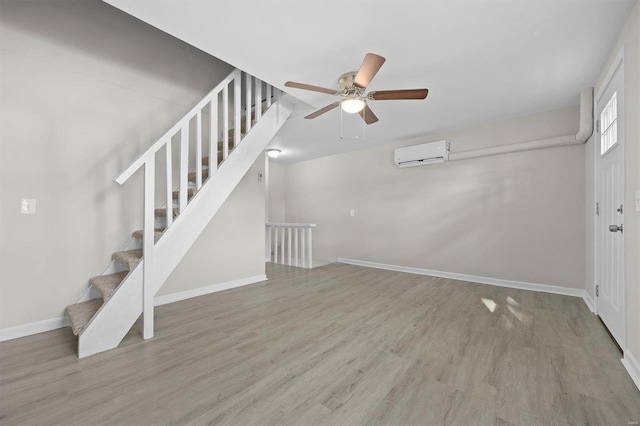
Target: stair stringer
x,y
116,317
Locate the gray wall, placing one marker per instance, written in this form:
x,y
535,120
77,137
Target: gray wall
x,y
516,216
85,89
277,194
232,245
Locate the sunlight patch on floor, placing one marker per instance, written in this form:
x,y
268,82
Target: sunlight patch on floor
x,y
490,304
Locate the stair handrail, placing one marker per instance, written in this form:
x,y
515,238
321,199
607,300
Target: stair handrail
x,y
149,153
253,95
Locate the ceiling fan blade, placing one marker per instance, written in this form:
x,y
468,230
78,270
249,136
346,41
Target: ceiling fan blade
x,y
322,110
310,87
368,70
367,115
388,95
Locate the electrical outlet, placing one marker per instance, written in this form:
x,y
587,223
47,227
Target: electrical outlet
x,y
28,206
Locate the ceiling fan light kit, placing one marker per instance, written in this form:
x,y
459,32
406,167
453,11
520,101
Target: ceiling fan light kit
x,y
352,106
352,87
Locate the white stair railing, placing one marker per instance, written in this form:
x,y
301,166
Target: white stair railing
x,y
290,243
222,111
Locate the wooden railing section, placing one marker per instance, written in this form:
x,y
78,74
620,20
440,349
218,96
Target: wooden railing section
x,y
290,243
230,117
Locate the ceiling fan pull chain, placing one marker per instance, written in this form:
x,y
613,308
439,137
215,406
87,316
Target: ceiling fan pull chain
x,y
364,122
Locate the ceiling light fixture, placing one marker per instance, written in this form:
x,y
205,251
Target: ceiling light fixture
x,y
352,106
273,152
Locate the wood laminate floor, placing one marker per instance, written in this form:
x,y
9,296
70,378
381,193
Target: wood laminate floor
x,y
338,344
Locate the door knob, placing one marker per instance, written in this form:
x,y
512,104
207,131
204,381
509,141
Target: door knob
x,y
615,228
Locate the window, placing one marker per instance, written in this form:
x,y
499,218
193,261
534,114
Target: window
x,y
609,125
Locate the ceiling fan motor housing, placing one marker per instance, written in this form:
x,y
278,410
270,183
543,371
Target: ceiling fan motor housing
x,y
346,85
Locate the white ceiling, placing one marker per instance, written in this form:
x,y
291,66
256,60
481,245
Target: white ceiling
x,y
482,60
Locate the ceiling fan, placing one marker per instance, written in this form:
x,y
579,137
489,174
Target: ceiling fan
x,y
352,87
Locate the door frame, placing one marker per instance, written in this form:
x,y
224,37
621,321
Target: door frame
x,y
618,64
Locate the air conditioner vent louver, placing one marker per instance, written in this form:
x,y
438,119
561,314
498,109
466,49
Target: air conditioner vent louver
x,y
421,155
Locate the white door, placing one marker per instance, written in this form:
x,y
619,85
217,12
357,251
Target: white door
x,y
610,219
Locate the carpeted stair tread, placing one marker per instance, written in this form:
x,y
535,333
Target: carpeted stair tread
x,y
107,284
162,212
128,258
81,313
192,175
190,192
139,234
205,160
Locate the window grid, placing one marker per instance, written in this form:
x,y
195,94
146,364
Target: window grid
x,y
609,123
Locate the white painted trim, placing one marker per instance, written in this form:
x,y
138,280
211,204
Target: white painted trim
x,y
188,294
37,327
472,278
619,58
589,301
633,367
122,178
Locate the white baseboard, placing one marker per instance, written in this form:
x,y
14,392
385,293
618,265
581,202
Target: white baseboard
x,y
472,278
24,330
37,327
314,263
188,294
633,367
589,301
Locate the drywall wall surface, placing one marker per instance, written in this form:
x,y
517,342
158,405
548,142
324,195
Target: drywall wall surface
x,y
629,39
516,216
277,192
84,90
232,245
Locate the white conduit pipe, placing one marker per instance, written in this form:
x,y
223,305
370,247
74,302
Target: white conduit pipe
x,y
586,115
585,131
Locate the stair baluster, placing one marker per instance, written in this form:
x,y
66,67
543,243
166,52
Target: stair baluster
x,y
290,243
148,248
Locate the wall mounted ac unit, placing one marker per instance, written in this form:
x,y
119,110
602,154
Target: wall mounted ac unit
x,y
421,155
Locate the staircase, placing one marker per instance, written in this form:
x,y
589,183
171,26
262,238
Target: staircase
x,y
244,114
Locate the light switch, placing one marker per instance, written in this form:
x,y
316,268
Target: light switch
x,y
28,206
638,201
352,212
